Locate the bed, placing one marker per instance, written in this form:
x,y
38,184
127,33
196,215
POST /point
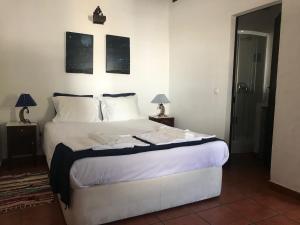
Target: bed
x,y
106,189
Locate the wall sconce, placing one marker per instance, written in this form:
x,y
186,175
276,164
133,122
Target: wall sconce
x,y
98,17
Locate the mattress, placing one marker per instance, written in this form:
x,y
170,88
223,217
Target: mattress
x,y
108,170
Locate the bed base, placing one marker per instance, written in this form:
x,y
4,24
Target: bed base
x,y
107,203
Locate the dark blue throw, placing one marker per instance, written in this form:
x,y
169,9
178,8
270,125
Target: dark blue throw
x,y
64,157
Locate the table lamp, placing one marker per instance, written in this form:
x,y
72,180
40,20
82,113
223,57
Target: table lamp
x,y
161,99
25,100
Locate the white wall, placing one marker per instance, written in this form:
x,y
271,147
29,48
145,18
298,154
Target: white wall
x,y
286,142
201,62
32,51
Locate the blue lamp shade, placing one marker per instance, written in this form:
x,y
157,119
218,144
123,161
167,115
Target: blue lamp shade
x,y
25,100
160,99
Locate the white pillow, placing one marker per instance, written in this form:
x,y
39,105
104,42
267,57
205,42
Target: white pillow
x,y
119,108
76,109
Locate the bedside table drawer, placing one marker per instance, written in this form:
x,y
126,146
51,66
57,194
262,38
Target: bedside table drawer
x,y
20,132
21,140
22,148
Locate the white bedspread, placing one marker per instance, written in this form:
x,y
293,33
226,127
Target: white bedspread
x,y
106,170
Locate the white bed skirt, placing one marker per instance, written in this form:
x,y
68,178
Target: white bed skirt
x,y
106,203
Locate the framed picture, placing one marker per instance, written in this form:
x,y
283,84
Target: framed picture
x,y
79,53
117,54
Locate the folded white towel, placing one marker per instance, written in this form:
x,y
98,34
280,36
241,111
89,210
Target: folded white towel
x,y
107,147
168,135
115,141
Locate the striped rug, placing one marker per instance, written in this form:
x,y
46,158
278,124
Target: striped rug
x,y
24,190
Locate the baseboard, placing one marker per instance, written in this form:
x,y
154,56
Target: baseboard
x,y
284,190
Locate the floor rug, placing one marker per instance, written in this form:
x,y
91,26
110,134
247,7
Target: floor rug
x,y
24,190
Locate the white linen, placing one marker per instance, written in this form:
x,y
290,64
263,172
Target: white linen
x,y
168,135
120,108
106,170
115,141
76,109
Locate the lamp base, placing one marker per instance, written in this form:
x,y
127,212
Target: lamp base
x,y
162,109
21,115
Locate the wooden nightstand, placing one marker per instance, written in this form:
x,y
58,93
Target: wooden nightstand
x,y
169,121
21,140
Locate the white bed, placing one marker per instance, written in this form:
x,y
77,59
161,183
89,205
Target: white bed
x,y
105,189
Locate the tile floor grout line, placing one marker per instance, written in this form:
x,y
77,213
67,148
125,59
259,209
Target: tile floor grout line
x,y
274,210
277,213
298,222
176,217
159,220
203,219
267,218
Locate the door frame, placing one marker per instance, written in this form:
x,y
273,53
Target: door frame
x,y
233,86
233,97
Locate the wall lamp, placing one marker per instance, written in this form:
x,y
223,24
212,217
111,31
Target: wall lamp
x,y
98,17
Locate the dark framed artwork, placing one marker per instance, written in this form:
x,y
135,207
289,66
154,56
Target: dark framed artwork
x,y
79,53
117,54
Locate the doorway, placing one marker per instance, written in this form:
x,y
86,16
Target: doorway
x,y
254,83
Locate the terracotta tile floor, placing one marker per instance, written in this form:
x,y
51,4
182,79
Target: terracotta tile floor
x,y
246,200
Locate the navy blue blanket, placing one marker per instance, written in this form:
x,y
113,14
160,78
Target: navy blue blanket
x,y
64,157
